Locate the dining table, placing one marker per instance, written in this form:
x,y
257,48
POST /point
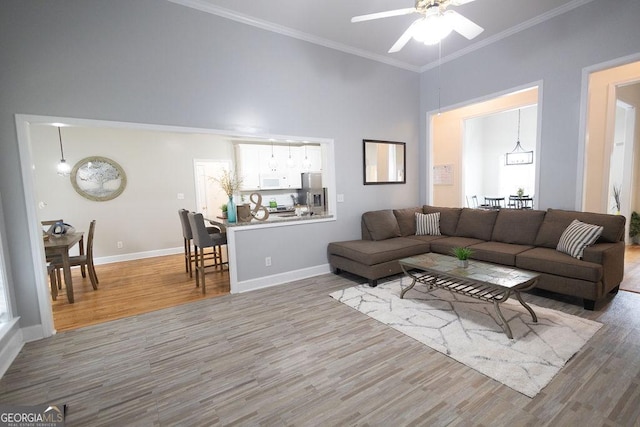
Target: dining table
x,y
59,246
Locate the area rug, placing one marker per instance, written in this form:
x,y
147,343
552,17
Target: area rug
x,y
467,330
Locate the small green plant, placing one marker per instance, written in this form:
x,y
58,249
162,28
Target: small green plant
x,y
520,192
224,208
462,253
634,225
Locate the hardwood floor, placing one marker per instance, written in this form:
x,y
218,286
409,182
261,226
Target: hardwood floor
x,y
631,280
131,288
291,355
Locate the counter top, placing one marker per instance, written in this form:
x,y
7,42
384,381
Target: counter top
x,y
271,220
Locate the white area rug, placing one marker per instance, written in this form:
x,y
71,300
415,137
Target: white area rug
x,y
467,330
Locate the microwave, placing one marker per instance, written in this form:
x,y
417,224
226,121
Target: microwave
x,y
272,182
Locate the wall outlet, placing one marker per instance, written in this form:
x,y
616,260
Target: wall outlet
x,y
119,245
340,198
180,196
267,261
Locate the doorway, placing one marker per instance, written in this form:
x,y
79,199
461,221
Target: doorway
x,y
611,155
209,195
457,145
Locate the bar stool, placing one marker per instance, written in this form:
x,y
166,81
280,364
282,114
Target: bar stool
x,y
201,240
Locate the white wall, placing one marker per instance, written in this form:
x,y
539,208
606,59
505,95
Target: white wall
x,y
158,165
554,52
156,62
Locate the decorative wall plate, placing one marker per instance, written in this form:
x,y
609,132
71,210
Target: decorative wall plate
x,y
98,178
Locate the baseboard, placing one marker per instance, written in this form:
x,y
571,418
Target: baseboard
x,y
11,347
279,279
32,333
138,255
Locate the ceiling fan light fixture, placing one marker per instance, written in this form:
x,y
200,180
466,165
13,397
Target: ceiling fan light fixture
x,y
432,29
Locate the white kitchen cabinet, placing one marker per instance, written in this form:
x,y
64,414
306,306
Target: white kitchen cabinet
x,y
254,163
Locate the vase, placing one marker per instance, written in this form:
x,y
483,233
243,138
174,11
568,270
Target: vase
x,y
463,263
231,211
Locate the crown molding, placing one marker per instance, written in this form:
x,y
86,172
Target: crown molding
x,y
203,6
507,33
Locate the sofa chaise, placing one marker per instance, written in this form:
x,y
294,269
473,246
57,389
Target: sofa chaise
x,y
526,239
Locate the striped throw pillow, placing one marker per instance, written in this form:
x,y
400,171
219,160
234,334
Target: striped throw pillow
x,y
428,224
577,236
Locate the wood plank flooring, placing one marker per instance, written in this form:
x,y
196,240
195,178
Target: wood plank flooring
x,y
291,355
131,288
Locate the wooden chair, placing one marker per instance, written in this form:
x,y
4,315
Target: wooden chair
x,y
53,280
82,260
201,240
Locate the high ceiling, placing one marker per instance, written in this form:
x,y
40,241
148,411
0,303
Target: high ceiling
x,y
327,22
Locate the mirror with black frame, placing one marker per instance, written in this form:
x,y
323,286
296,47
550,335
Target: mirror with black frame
x,y
384,162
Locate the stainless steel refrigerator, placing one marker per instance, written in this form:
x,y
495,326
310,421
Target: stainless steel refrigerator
x,y
313,194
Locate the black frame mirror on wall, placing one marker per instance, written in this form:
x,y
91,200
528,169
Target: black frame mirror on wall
x,y
384,162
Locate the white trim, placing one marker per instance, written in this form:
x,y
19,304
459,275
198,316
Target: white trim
x,y
14,344
233,15
281,278
138,255
38,259
32,333
582,130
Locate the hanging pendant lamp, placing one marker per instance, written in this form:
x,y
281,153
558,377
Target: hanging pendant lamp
x,y
273,163
63,167
519,156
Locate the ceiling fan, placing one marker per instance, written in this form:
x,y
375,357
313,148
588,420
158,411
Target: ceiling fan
x,y
435,24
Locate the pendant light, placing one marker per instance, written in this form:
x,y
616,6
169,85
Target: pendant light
x,y
519,156
63,167
290,163
306,163
273,163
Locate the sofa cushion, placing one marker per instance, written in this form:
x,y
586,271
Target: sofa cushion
x,y
448,218
407,220
577,236
556,221
370,252
476,223
445,245
498,252
381,224
550,261
427,224
518,226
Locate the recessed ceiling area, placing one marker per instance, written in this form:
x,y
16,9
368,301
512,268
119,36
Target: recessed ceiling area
x,y
328,23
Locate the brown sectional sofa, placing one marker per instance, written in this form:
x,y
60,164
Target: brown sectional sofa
x,y
524,239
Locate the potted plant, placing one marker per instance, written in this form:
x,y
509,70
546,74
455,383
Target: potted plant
x,y
463,255
224,210
634,227
520,192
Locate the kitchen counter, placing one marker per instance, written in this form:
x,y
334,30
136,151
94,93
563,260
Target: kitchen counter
x,y
273,219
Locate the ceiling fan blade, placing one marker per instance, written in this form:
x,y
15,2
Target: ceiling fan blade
x,y
459,2
462,25
404,38
378,15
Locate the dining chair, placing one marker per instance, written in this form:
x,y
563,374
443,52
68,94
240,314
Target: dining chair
x,y
187,235
201,240
494,202
83,260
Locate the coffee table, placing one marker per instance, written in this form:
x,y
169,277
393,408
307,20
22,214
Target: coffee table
x,y
480,280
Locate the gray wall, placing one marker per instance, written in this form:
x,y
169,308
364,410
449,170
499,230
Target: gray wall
x,y
151,61
554,52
